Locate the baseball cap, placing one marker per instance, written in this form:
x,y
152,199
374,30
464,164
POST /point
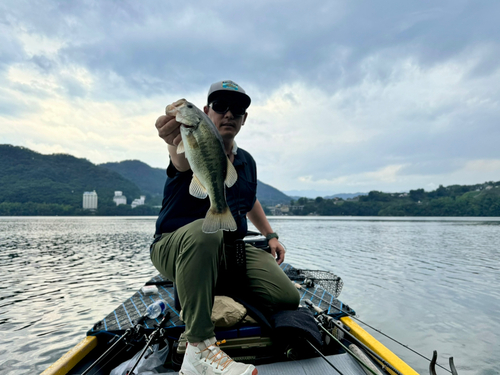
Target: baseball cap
x,y
228,90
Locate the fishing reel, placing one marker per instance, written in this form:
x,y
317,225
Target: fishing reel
x,y
309,283
333,326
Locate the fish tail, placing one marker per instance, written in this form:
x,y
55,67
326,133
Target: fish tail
x,y
215,221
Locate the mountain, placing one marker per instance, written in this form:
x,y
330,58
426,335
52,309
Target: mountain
x,y
36,184
270,196
27,176
345,195
151,180
296,194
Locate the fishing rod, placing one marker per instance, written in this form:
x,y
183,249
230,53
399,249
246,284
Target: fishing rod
x,y
298,286
158,331
153,311
360,361
323,356
338,325
135,331
157,334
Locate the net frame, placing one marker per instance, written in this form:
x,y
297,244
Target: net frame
x,y
327,280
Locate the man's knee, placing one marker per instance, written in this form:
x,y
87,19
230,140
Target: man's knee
x,y
207,244
289,298
206,241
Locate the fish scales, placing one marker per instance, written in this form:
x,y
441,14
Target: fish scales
x,y
212,170
207,163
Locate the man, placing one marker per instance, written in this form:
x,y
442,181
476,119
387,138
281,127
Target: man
x,y
195,260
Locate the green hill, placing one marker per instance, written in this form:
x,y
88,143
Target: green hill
x,y
455,200
35,184
151,181
270,196
27,176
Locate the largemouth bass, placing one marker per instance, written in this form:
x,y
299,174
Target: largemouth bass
x,y
212,169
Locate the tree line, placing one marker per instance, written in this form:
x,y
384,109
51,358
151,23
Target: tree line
x,y
54,209
456,200
36,184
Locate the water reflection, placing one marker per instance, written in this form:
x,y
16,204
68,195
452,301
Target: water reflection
x,y
431,283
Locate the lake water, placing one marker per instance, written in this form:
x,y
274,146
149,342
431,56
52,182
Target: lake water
x,y
430,283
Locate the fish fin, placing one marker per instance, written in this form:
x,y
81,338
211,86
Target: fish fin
x,y
196,188
231,174
180,147
215,221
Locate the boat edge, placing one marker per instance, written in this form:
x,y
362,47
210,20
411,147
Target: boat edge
x,y
375,345
69,360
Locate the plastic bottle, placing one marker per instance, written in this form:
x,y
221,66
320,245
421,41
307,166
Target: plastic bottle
x,y
156,309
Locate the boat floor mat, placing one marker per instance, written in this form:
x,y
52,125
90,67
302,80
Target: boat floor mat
x,y
312,366
127,313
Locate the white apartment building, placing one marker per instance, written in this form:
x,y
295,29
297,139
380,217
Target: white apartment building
x,y
119,198
138,202
90,200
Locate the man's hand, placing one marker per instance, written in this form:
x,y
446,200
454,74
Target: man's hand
x,y
277,249
168,129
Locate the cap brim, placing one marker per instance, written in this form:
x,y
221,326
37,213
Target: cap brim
x,y
232,96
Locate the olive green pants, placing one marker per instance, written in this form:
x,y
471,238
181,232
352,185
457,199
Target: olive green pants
x,y
195,261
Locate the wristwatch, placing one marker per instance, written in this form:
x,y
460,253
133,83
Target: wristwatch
x,y
272,235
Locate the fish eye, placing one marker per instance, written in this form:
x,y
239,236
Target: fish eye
x,y
190,106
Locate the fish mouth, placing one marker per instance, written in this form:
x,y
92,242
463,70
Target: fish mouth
x,y
187,126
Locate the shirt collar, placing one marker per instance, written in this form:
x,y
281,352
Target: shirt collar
x,y
239,157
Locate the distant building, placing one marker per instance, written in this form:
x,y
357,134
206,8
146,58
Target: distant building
x,y
280,209
119,198
138,202
90,200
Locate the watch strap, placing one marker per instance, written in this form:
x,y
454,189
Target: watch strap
x,y
272,235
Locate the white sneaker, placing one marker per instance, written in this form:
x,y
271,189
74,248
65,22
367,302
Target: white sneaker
x,y
207,359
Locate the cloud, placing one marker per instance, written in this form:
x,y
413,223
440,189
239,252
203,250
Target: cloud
x,y
326,45
392,95
429,121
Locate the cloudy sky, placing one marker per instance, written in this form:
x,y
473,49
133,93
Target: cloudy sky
x,y
347,96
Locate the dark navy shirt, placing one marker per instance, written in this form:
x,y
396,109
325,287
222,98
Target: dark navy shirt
x,y
180,208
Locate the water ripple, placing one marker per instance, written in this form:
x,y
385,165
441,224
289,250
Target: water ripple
x,y
431,283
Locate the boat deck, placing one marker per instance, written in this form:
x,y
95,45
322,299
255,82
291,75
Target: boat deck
x,y
124,316
245,343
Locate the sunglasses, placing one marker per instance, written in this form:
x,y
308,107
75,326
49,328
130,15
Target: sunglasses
x,y
222,107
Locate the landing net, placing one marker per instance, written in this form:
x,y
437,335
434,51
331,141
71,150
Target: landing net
x,y
311,278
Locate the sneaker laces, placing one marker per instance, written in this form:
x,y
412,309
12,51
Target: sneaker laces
x,y
217,355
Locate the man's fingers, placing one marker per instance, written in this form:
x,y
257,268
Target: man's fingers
x,y
177,139
278,253
168,129
281,256
162,120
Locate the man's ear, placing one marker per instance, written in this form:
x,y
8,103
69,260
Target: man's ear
x,y
244,118
206,109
